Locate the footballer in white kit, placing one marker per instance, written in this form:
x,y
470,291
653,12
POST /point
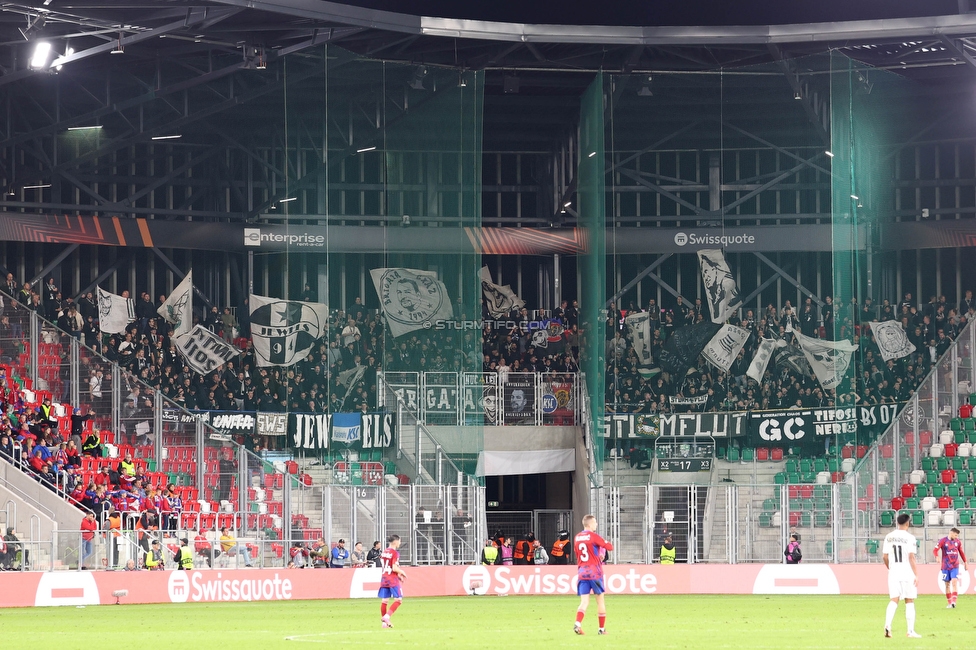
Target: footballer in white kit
x,y
898,552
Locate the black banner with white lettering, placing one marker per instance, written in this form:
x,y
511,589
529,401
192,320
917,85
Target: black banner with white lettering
x,y
359,431
715,425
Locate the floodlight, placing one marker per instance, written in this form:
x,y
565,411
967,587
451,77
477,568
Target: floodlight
x,y
41,53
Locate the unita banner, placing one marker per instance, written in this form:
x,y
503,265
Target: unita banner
x,y
73,588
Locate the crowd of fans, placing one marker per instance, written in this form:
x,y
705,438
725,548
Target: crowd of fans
x,y
356,337
930,327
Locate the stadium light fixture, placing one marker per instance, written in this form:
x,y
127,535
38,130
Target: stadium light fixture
x,y
592,153
797,95
85,128
42,50
118,46
293,198
365,149
39,186
645,89
855,197
567,204
830,154
167,137
417,83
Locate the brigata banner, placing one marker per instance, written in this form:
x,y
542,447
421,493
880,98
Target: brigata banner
x,y
201,586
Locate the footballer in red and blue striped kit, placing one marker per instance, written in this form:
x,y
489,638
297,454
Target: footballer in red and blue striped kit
x,y
951,547
590,551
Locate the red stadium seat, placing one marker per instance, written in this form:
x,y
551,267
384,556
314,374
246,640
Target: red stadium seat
x,y
951,450
945,503
897,503
925,437
762,453
907,490
948,476
777,453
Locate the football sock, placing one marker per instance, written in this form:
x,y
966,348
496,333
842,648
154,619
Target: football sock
x,y
394,606
955,595
910,616
890,614
603,621
382,609
949,596
579,615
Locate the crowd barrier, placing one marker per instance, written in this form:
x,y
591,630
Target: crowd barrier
x,y
70,588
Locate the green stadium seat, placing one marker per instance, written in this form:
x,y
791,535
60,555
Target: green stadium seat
x,y
942,463
955,424
912,503
833,465
954,490
780,478
969,424
871,546
771,505
821,519
918,518
829,548
821,492
821,504
793,478
968,490
885,491
793,466
820,465
721,453
958,463
965,517
150,465
806,465
806,519
972,399
809,477
928,463
733,454
959,503
932,477
939,490
887,519
765,520
748,454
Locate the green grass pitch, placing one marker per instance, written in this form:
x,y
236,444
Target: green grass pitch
x,y
540,622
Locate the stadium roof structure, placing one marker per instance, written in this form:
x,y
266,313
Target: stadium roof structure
x,y
146,69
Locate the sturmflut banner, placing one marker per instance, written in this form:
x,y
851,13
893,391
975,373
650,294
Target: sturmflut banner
x,y
283,331
204,351
114,312
410,298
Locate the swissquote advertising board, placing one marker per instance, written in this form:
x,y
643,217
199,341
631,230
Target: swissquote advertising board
x,y
77,588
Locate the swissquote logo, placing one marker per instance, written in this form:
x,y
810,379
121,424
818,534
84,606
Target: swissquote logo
x,y
204,586
706,239
256,237
504,580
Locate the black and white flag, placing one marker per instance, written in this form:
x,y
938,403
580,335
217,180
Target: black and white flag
x,y
791,358
759,362
177,310
411,298
724,347
639,329
283,331
114,312
723,296
828,359
500,300
891,339
203,350
681,350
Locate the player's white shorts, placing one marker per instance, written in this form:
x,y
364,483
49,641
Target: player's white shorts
x,y
902,588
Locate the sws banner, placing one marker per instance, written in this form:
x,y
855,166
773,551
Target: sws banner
x,y
319,431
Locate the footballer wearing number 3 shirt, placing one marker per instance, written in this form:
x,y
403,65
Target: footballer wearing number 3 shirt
x,y
590,551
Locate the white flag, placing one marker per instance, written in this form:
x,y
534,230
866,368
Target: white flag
x,y
114,312
723,296
203,350
828,359
411,299
500,300
639,329
891,340
177,310
759,362
724,347
283,331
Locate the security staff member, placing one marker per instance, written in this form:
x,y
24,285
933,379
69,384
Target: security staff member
x,y
489,554
184,557
560,549
667,551
154,558
523,553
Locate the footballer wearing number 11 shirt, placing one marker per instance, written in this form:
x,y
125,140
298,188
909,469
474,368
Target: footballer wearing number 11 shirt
x,y
590,551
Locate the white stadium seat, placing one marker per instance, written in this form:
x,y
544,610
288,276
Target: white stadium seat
x,y
947,437
936,450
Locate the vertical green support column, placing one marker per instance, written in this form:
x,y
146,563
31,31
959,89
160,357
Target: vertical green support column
x,y
593,218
